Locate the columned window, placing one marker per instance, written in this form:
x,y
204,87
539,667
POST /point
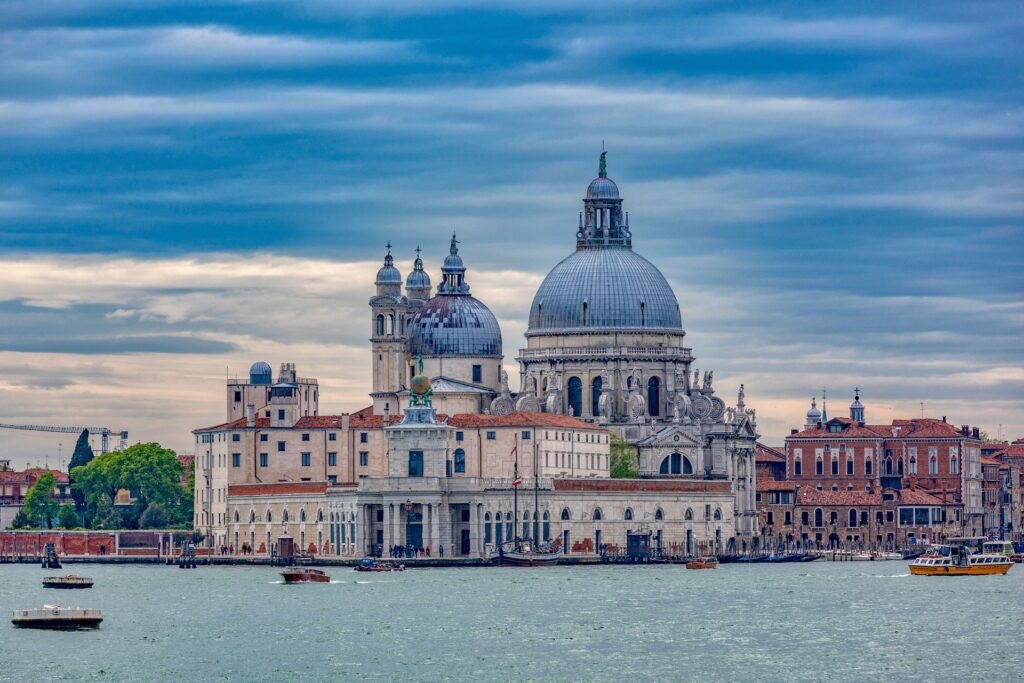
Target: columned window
x,y
576,396
654,396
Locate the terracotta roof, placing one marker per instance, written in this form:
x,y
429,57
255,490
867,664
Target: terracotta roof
x,y
186,459
921,428
284,488
30,474
990,460
643,485
517,419
862,498
775,485
763,453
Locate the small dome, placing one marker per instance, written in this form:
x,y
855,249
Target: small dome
x,y
603,187
814,415
418,278
388,274
458,325
453,262
260,373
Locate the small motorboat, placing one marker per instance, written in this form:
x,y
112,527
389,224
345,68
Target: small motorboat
x,y
57,617
69,581
702,563
305,575
374,566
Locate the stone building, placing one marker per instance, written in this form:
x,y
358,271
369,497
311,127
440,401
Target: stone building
x,y
604,355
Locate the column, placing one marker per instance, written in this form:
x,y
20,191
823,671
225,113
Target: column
x,y
435,529
388,538
474,531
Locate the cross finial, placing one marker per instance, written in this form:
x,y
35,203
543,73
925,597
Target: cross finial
x,y
418,250
389,246
856,393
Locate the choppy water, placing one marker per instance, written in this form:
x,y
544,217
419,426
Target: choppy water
x,y
800,622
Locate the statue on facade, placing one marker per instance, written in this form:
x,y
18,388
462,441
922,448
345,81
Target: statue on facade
x,y
419,386
502,404
707,389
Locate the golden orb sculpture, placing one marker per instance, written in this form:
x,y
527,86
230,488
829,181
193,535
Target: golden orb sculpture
x,y
419,385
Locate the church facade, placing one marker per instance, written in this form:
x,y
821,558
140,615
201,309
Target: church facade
x,y
605,356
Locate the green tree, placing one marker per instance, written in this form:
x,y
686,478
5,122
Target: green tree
x,y
106,516
67,518
149,471
625,458
82,456
154,517
985,438
40,506
20,521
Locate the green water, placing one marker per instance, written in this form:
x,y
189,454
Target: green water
x,y
802,622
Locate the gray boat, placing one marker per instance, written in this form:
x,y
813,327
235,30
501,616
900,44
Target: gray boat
x,y
57,617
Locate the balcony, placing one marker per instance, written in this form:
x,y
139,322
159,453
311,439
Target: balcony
x,y
658,352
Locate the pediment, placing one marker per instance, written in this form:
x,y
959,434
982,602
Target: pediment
x,y
672,437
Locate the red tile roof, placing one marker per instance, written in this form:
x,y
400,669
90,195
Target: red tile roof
x,y
517,419
284,488
775,485
863,498
643,485
30,474
763,453
921,428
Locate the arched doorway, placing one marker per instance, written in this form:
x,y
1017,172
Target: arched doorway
x,y
654,396
595,396
414,529
576,396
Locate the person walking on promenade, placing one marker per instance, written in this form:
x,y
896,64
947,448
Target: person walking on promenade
x,y
440,550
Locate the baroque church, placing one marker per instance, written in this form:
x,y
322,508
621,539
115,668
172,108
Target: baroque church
x,y
605,344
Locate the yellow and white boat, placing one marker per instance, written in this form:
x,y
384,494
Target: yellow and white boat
x,y
959,561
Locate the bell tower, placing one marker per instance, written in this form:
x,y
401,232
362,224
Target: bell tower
x,y
388,312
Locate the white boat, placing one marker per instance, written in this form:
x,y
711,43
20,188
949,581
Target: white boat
x,y
57,617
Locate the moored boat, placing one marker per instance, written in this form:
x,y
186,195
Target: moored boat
x,y
305,575
702,563
373,566
524,554
57,617
959,561
69,581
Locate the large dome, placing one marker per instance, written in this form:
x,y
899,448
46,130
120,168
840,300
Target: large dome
x,y
454,325
620,289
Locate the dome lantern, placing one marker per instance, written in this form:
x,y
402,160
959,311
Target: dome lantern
x,y
602,223
388,274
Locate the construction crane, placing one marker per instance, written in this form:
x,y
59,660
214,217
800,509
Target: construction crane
x,y
103,432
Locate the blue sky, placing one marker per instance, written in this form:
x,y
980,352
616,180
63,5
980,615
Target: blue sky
x,y
834,191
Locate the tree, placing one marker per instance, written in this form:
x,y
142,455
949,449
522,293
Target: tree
x,y
149,471
625,458
985,438
82,456
154,517
20,521
67,518
40,506
106,515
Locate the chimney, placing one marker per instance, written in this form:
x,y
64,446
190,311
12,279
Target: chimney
x,y
792,431
943,418
250,415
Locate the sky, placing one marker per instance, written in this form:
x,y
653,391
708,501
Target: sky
x,y
835,192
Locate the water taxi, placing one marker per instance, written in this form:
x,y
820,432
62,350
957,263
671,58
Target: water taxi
x,y
305,575
57,617
702,563
959,561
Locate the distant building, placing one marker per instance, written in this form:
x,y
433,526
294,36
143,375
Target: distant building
x,y
14,487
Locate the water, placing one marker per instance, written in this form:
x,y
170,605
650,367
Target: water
x,y
798,622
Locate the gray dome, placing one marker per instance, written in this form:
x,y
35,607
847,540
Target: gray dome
x,y
388,274
603,188
454,325
260,373
417,279
621,289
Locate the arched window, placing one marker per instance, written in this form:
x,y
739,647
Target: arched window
x,y
460,460
487,527
380,325
868,466
687,467
629,514
835,465
252,516
805,518
270,517
852,518
597,514
595,396
302,514
888,465
899,467
319,515
659,515
933,465
546,526
718,514
819,519
952,464
576,396
689,514
565,514
819,466
236,516
654,396
676,464
526,525
798,467
508,526
913,464
497,528
389,327
284,516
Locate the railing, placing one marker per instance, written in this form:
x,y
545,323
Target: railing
x,y
575,352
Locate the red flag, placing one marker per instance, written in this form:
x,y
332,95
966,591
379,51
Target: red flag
x,y
517,482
